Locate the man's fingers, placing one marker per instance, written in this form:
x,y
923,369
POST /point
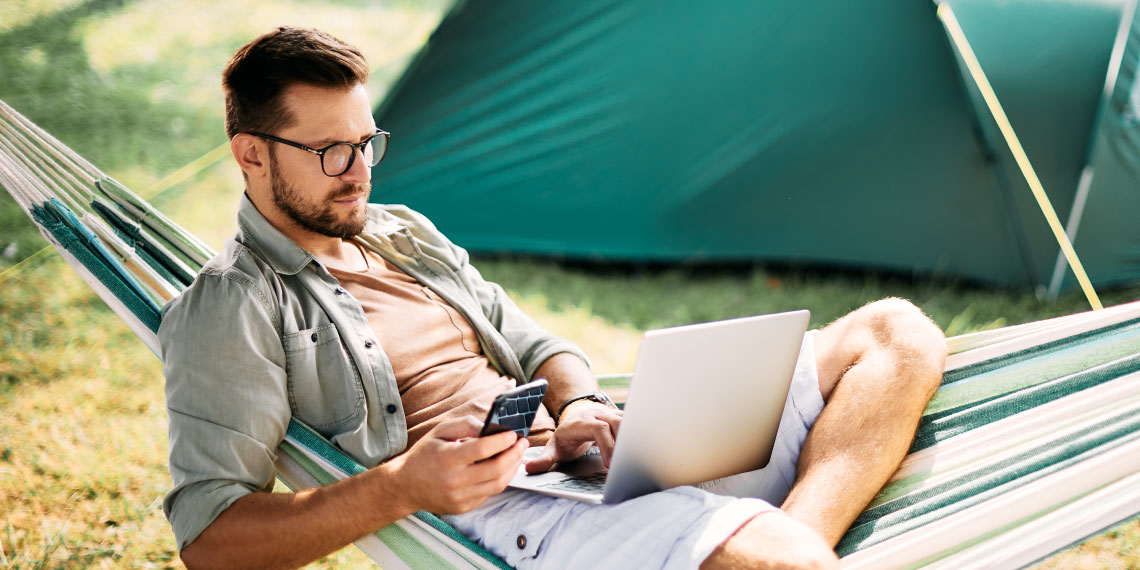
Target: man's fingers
x,y
473,495
572,440
584,431
543,462
614,419
480,492
464,434
604,439
457,428
495,467
594,431
481,448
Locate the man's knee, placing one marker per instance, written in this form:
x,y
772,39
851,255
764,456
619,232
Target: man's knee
x,y
902,329
773,540
891,333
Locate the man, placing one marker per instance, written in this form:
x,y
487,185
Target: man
x,y
370,326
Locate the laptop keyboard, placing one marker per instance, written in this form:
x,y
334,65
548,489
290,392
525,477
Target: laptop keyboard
x,y
592,483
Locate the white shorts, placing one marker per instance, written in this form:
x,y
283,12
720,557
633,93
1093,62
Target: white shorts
x,y
673,529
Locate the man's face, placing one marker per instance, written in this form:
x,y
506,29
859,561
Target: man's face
x,y
329,216
330,206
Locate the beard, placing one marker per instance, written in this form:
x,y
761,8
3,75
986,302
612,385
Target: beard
x,y
317,218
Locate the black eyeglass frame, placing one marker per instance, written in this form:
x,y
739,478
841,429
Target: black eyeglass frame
x,y
377,157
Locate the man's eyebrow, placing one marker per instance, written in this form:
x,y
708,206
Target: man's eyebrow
x,y
328,142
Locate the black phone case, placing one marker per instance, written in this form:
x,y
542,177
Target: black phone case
x,y
514,410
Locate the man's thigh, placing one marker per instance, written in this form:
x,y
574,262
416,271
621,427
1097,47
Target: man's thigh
x,y
672,529
803,406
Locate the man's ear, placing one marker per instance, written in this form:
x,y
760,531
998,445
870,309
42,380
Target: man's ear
x,y
251,154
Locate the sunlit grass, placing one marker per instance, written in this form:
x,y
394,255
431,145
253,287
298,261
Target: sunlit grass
x,y
82,446
15,13
1116,549
201,36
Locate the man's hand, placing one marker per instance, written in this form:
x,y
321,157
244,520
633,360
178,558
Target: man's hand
x,y
441,473
582,424
452,470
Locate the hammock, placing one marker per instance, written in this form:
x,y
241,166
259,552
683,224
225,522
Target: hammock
x,y
1030,445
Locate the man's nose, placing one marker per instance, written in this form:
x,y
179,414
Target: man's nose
x,y
359,172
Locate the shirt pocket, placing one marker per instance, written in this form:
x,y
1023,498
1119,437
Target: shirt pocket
x,y
325,391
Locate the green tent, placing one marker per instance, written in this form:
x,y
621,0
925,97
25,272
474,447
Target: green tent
x,y
828,133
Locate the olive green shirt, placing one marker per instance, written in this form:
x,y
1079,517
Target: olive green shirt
x,y
266,333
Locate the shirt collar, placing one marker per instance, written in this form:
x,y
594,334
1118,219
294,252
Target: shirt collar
x,y
282,253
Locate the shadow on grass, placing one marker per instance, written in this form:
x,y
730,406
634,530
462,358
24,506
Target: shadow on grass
x,y
108,118
49,78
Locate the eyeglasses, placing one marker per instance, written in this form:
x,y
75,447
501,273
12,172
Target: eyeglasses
x,y
337,158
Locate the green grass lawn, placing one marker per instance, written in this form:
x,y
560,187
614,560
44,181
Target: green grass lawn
x,y
133,86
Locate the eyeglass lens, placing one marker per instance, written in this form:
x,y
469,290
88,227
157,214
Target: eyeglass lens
x,y
338,158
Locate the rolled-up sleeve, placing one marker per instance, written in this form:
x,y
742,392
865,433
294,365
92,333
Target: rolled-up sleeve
x,y
226,397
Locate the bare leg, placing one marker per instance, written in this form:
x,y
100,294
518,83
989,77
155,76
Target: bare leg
x,y
772,541
878,368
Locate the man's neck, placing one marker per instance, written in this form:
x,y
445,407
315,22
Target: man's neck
x,y
333,252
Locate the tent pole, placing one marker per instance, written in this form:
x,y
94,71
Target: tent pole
x,y
946,14
1085,183
1071,231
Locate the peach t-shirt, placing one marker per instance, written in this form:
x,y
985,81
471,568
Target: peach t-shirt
x,y
439,365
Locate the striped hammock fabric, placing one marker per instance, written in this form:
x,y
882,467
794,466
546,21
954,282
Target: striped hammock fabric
x,y
1031,444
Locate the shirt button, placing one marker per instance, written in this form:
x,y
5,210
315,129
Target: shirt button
x,y
367,343
391,408
520,542
339,291
314,337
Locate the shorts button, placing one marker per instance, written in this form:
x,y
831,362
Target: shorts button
x,y
314,337
391,408
521,542
339,291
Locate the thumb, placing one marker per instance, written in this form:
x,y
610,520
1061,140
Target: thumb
x,y
543,462
456,429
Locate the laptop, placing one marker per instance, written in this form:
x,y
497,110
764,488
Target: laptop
x,y
705,402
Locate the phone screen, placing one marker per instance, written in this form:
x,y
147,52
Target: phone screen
x,y
514,410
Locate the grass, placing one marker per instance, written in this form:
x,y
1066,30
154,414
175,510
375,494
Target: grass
x,y
132,86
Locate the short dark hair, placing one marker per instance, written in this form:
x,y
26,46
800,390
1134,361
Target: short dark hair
x,y
261,70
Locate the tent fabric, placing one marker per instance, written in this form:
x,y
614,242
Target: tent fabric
x,y
1107,238
821,133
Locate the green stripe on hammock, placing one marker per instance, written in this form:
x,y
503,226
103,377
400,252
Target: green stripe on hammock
x,y
64,227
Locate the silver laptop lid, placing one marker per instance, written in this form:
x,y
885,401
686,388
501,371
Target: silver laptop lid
x,y
705,402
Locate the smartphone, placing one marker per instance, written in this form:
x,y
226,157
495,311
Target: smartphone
x,y
514,410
